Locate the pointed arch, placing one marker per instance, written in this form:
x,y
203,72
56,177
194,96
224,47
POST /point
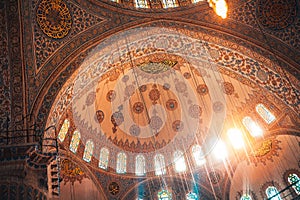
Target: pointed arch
x,y
88,151
140,165
264,113
198,155
103,160
121,163
141,4
272,191
75,141
254,129
294,179
63,130
169,3
159,163
180,165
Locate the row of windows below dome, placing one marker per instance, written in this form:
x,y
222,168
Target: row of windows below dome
x,y
159,162
164,3
271,192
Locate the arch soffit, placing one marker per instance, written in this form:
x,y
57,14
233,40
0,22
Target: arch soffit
x,y
84,167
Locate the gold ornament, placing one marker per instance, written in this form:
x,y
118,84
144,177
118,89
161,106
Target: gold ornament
x,y
54,18
264,149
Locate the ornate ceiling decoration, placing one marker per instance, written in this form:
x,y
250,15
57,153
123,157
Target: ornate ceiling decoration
x,y
113,188
145,99
265,151
152,99
276,14
70,172
153,93
124,80
54,18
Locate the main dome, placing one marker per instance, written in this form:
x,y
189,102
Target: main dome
x,y
150,92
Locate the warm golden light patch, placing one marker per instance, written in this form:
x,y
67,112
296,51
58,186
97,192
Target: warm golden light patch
x,y
236,138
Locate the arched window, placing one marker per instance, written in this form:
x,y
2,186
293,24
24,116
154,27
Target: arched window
x,y
191,196
169,3
140,165
103,160
159,163
179,161
272,191
164,195
88,151
121,163
265,113
294,178
246,197
75,141
198,155
63,130
196,1
141,3
253,128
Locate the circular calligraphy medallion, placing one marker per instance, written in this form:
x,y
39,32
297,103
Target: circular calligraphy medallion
x,y
177,126
154,95
228,88
171,104
99,116
276,14
202,89
113,188
54,18
111,95
138,107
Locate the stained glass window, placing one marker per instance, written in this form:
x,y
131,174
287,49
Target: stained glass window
x,y
140,165
141,3
88,151
294,178
198,155
63,130
246,197
191,196
75,141
159,163
103,160
253,128
179,161
121,163
265,113
169,3
164,195
272,191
